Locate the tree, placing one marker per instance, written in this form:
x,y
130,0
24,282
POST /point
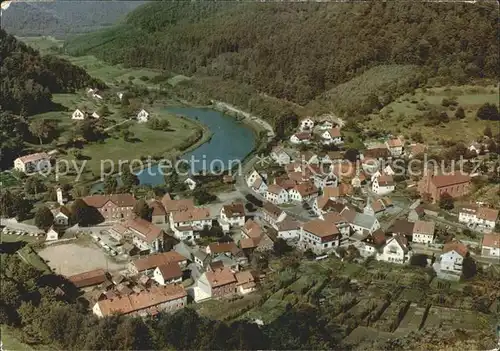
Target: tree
x,y
127,135
129,179
460,113
44,218
110,184
84,215
281,247
469,268
419,260
41,128
34,185
103,111
488,112
488,132
80,191
14,131
201,196
22,207
142,209
446,201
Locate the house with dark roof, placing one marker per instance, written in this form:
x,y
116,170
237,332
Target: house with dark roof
x,y
90,278
232,215
320,236
169,273
149,263
272,214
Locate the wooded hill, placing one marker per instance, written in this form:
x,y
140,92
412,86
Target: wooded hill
x,y
63,18
28,79
297,51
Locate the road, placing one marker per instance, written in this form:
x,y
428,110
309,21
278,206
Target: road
x,y
428,250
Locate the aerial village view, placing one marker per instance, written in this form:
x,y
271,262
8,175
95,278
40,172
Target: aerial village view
x,y
205,175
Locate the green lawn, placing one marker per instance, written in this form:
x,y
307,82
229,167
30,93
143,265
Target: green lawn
x,y
30,256
8,180
44,44
402,116
10,340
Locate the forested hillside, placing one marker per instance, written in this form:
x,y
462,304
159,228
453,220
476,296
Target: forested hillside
x,y
28,79
63,18
299,51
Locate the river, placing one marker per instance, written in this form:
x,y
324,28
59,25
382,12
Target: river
x,y
231,142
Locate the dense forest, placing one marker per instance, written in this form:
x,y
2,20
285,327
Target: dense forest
x,y
63,18
28,79
298,51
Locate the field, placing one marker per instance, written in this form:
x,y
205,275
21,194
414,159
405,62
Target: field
x,y
405,114
30,256
11,342
8,180
70,259
44,44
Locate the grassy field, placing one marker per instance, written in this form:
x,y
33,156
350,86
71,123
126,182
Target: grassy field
x,y
11,342
44,44
403,117
30,256
8,180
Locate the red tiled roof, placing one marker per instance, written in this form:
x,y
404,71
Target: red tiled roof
x,y
424,227
306,189
321,228
272,210
89,278
491,240
120,200
457,246
394,142
303,136
447,180
216,248
220,277
234,210
275,189
159,259
176,205
193,214
158,209
170,271
34,157
147,229
144,299
334,132
488,214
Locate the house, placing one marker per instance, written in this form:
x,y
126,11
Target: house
x,y
417,149
276,194
251,229
361,222
194,219
331,157
490,246
142,116
320,236
90,278
383,184
395,146
229,249
95,115
322,180
168,298
301,138
112,207
371,244
374,207
309,157
285,182
452,258
306,124
32,163
170,205
245,282
232,215
78,115
288,229
145,235
52,235
120,95
402,227
61,216
475,147
169,273
332,136
158,213
217,284
326,125
303,192
396,250
434,186
340,222
377,153
256,182
201,258
337,192
478,216
416,213
423,232
262,243
280,156
190,183
149,263
388,170
272,214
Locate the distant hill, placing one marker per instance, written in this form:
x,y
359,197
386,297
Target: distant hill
x,y
299,51
63,18
28,79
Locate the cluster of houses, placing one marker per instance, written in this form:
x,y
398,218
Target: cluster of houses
x,y
81,114
328,132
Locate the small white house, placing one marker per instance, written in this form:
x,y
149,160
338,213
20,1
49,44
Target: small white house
x,y
78,115
490,245
482,217
306,124
191,184
395,146
452,259
276,194
363,222
32,163
61,216
389,171
120,96
280,156
303,192
423,232
52,235
142,116
396,250
170,273
288,229
383,184
233,214
301,138
95,115
332,136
